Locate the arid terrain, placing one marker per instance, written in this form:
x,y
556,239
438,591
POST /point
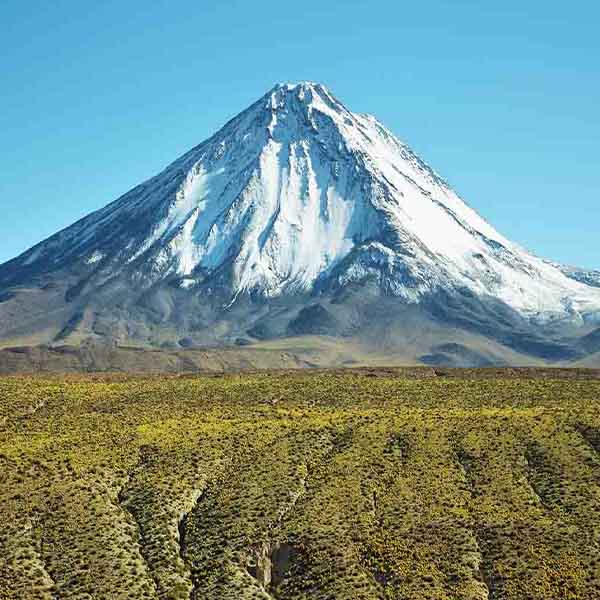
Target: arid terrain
x,y
415,484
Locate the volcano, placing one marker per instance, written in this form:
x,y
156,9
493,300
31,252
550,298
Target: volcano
x,y
300,219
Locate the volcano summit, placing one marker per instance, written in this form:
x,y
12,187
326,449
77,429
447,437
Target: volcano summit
x,y
300,217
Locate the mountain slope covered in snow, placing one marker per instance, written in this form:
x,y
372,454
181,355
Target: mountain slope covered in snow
x,y
297,216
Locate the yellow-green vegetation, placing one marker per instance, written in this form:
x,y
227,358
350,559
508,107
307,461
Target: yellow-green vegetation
x,y
307,485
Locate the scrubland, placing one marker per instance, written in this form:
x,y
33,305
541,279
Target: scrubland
x,y
351,485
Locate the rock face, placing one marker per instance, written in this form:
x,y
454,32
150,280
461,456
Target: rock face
x,y
296,208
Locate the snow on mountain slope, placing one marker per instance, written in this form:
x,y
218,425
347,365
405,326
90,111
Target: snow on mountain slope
x,y
295,194
588,276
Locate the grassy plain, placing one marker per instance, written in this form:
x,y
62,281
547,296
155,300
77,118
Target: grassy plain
x,y
351,485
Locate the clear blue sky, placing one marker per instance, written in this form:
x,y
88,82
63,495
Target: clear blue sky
x,y
502,100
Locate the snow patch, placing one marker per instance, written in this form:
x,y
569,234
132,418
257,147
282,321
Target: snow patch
x,y
95,258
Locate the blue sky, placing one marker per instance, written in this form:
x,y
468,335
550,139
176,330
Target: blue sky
x,y
501,100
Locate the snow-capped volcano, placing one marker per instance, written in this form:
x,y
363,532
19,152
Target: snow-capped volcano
x,y
299,196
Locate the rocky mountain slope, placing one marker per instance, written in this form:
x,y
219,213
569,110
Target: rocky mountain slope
x,y
297,217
